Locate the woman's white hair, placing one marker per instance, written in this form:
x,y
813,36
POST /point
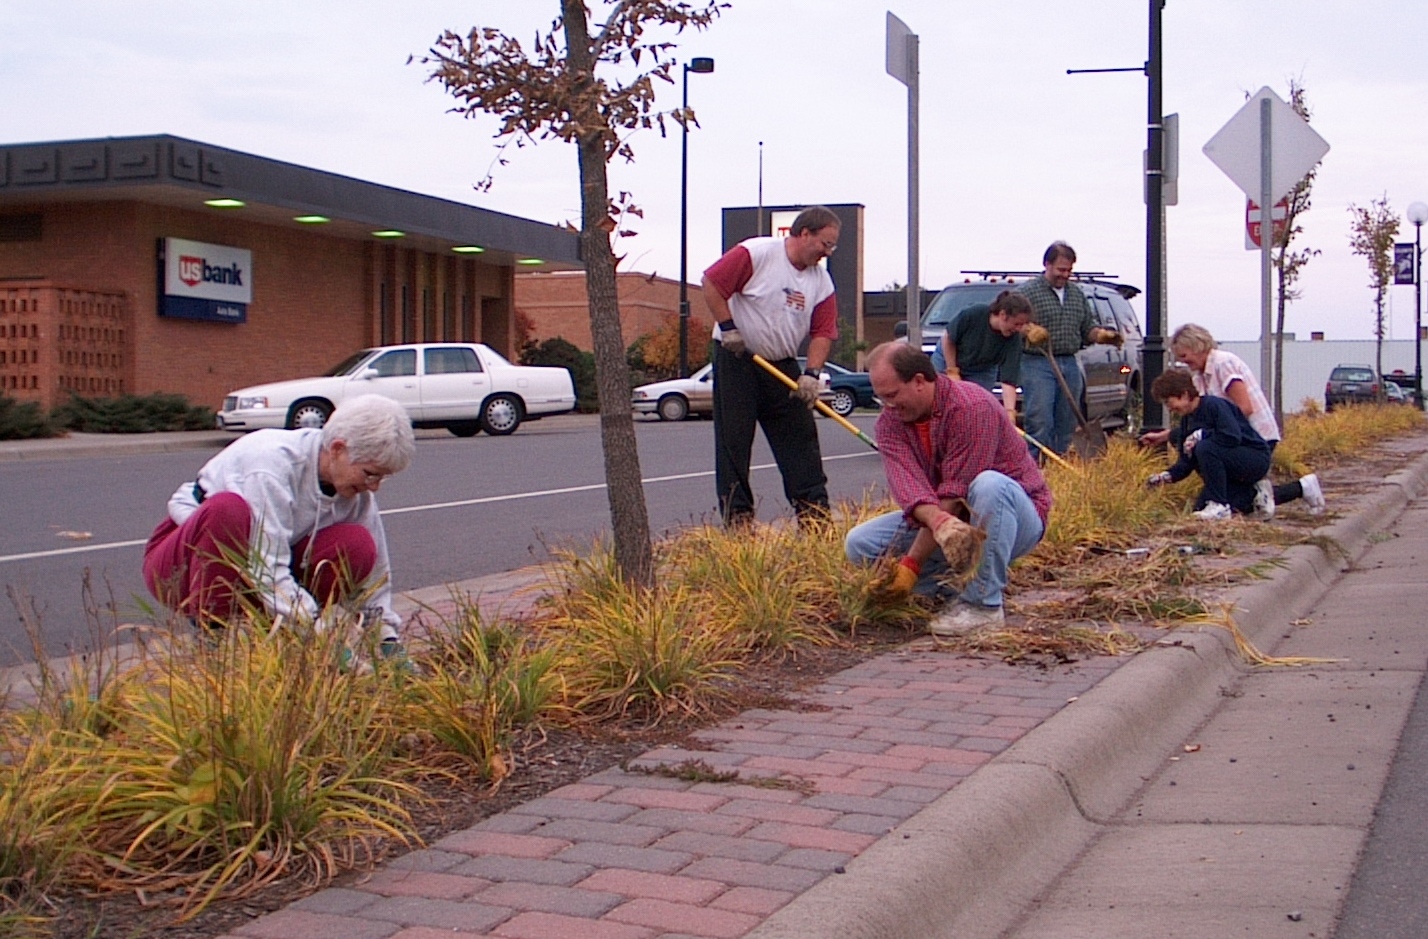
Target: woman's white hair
x,y
376,430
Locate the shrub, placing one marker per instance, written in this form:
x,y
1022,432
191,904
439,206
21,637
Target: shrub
x,y
132,414
23,420
560,352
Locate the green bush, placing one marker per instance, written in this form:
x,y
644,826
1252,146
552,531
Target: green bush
x,y
560,352
23,420
132,414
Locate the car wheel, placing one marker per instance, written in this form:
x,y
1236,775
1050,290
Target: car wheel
x,y
310,412
673,408
501,415
465,428
843,402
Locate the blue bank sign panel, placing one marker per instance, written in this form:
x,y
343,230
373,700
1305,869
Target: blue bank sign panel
x,y
206,282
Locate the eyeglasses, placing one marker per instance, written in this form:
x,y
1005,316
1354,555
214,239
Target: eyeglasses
x,y
373,478
829,248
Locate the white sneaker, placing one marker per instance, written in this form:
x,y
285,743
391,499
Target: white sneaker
x,y
1264,500
1313,493
960,617
1215,512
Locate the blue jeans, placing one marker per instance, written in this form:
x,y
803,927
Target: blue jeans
x,y
1046,411
1000,507
1229,474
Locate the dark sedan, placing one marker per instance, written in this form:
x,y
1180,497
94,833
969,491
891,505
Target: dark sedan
x,y
851,389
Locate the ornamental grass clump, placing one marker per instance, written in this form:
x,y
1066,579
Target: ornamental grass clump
x,y
481,681
1312,437
756,584
1105,502
225,763
625,651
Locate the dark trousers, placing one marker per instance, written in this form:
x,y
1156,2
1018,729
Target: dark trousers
x,y
1229,474
745,395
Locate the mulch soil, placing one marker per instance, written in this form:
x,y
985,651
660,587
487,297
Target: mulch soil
x,y
560,756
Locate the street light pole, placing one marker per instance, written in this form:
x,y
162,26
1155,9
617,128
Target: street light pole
x,y
1418,214
701,65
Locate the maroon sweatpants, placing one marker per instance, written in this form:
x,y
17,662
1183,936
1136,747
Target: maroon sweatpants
x,y
187,567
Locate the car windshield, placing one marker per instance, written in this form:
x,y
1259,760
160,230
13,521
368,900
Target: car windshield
x,y
349,365
1352,374
957,298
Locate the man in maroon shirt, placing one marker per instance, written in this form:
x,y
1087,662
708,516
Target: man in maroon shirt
x,y
948,448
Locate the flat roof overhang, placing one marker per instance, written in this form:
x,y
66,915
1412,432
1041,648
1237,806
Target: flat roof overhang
x,y
172,171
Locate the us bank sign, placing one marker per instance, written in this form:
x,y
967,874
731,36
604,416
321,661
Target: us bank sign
x,y
205,282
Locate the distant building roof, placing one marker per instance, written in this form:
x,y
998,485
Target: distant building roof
x,y
167,170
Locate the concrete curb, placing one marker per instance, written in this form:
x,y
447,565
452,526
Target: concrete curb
x,y
101,445
972,861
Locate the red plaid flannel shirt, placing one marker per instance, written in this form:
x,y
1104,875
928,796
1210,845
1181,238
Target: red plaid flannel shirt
x,y
970,433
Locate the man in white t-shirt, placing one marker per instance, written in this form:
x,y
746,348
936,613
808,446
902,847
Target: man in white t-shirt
x,y
768,295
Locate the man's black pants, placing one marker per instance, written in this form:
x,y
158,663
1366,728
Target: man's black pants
x,y
745,395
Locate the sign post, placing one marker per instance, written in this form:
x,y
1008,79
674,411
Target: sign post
x,y
1266,149
902,64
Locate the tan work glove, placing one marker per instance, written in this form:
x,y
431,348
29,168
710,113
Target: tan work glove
x,y
894,581
732,340
954,373
961,543
1107,337
807,391
1035,334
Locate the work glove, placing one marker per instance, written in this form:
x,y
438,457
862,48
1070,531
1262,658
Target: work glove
x,y
954,373
1107,337
961,543
807,390
1191,440
894,581
732,340
1158,480
1036,334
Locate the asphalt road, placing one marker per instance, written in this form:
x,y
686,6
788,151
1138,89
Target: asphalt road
x,y
465,508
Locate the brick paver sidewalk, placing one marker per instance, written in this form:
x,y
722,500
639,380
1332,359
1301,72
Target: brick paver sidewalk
x,y
628,855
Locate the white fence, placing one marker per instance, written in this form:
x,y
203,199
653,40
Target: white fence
x,y
1307,364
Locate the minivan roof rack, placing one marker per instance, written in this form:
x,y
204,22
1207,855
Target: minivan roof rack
x,y
1078,275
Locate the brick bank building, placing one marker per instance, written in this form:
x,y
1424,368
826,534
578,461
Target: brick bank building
x,y
146,264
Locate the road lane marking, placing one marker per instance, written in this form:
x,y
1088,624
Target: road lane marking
x,y
62,552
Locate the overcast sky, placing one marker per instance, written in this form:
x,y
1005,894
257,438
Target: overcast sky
x,y
1015,153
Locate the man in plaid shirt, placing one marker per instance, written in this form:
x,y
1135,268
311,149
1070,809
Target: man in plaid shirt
x,y
1062,320
949,450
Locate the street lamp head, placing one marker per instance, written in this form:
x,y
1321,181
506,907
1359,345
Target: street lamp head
x,y
1418,213
700,65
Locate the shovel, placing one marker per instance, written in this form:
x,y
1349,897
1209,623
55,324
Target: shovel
x,y
1088,440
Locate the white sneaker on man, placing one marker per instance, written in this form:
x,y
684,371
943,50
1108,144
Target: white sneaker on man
x,y
959,618
1214,512
1264,500
1313,493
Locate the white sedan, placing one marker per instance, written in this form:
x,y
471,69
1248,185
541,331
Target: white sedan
x,y
464,387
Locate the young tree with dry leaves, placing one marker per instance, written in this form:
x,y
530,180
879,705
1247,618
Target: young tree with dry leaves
x,y
592,91
1290,263
1372,234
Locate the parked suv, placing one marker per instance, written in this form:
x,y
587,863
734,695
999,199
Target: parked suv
x,y
1350,384
1112,375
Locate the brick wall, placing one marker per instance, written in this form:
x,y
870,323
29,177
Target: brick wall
x,y
557,306
316,299
55,339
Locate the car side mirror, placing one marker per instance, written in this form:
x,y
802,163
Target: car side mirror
x,y
369,373
900,329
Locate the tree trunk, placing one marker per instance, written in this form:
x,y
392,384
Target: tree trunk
x,y
628,515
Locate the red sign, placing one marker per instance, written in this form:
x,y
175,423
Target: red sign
x,y
1280,214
